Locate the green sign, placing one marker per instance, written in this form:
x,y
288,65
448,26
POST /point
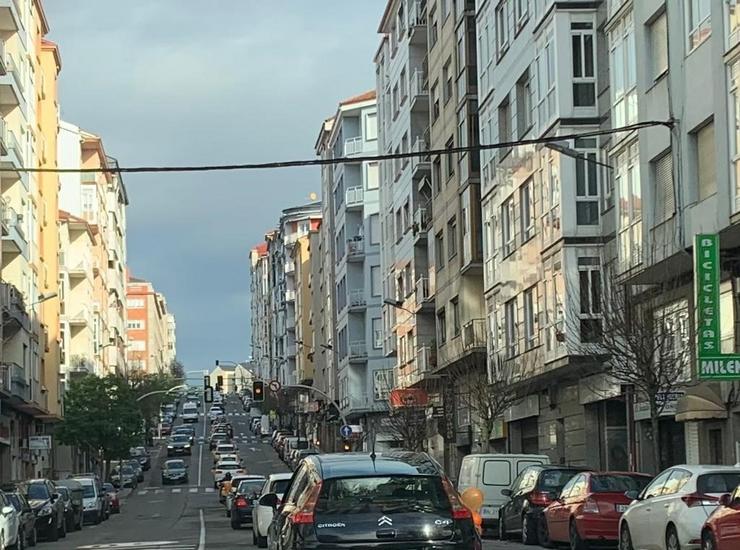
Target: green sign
x,y
712,363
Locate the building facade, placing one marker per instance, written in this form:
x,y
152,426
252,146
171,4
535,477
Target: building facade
x,y
148,328
260,308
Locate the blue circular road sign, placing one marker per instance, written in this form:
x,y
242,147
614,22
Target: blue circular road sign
x,y
345,431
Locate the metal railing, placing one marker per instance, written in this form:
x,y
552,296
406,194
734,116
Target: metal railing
x,y
421,219
417,14
357,349
419,85
474,334
89,177
357,298
11,143
354,196
15,69
353,146
355,247
422,290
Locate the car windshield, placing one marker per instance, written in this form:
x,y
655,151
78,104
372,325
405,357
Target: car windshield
x,y
554,480
383,494
14,500
280,485
618,483
251,487
127,471
88,491
175,465
37,491
718,482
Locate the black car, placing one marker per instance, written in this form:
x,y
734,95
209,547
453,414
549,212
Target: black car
x,y
47,506
76,492
534,489
136,466
179,445
242,503
355,500
142,455
69,511
25,515
174,471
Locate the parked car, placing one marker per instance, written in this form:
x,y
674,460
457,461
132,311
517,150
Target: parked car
x,y
76,494
124,476
174,471
532,491
142,455
299,455
244,500
262,515
69,513
671,511
93,499
185,430
48,507
721,531
10,524
350,500
589,507
179,445
114,501
492,473
26,517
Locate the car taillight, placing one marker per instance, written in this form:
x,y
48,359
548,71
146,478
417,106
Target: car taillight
x,y
304,516
459,510
590,507
241,502
698,499
540,498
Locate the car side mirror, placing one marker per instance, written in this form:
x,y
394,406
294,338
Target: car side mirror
x,y
725,500
7,510
632,495
270,499
55,497
506,492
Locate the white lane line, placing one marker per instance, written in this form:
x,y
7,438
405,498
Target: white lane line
x,y
200,463
177,490
210,490
193,490
159,491
202,541
143,492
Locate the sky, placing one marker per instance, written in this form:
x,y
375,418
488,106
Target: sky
x,y
173,82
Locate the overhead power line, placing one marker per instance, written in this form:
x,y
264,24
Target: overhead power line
x,y
357,158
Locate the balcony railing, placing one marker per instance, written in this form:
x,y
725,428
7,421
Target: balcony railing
x,y
421,161
354,196
356,248
353,146
357,350
364,402
357,298
417,14
422,291
14,68
390,346
419,85
11,143
89,177
421,220
82,317
474,334
290,295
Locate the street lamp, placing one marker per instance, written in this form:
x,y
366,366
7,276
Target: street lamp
x,y
43,298
324,346
563,148
398,305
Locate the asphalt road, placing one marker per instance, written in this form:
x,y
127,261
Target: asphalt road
x,y
188,516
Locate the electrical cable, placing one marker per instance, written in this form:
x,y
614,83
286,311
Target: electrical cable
x,y
353,159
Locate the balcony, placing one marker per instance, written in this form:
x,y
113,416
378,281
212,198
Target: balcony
x,y
290,295
11,94
357,352
15,241
354,198
4,220
423,295
417,21
81,318
289,266
3,143
357,300
356,250
10,20
390,345
426,360
353,146
80,270
474,335
14,313
419,90
13,380
420,164
422,222
357,404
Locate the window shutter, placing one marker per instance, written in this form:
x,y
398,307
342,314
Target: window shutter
x,y
706,171
665,202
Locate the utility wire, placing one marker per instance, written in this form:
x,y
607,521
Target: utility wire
x,y
359,158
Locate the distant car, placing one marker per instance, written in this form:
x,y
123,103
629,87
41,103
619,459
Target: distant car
x,y
217,439
166,428
244,500
179,445
174,471
185,430
262,515
115,503
93,498
223,449
124,476
69,512
142,455
300,454
223,467
26,517
136,465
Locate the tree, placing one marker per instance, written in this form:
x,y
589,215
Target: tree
x,y
408,424
101,414
143,383
177,369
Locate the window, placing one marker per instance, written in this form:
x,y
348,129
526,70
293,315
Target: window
x,y
698,13
452,237
629,214
584,81
734,126
529,318
445,8
521,12
658,34
502,29
504,127
399,224
405,148
135,303
523,104
374,228
733,24
439,250
526,207
447,80
589,286
623,73
508,236
404,85
377,327
511,327
396,100
435,101
455,311
433,31
375,280
371,127
135,324
665,201
449,158
136,345
441,326
587,184
545,63
706,171
372,176
437,175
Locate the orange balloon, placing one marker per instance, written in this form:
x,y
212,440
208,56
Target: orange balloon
x,y
473,498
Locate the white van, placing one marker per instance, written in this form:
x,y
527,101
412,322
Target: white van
x,y
491,473
265,426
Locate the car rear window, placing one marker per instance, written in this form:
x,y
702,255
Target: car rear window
x,y
37,491
718,482
554,480
229,467
175,465
383,494
618,483
251,487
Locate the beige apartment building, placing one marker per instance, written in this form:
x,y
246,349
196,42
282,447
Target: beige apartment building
x,y
148,328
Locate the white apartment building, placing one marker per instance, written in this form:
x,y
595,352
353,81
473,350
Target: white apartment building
x,y
170,353
405,191
260,308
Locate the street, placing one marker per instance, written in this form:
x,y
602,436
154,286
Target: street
x,y
189,516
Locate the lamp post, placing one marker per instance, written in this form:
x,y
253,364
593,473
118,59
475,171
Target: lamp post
x,y
398,305
563,148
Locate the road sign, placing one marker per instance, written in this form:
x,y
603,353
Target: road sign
x,y
39,442
346,431
274,386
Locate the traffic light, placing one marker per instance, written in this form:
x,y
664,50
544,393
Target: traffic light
x,y
347,447
208,394
258,391
206,380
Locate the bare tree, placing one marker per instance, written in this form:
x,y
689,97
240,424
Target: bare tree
x,y
407,423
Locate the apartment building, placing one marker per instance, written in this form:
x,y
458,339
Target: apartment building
x,y
455,237
299,264
405,191
260,308
148,324
170,353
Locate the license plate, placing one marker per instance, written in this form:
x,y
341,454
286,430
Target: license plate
x,y
488,511
621,508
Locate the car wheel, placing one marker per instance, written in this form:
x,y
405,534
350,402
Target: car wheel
x,y
254,537
543,534
707,540
34,537
529,530
261,542
501,527
98,518
671,539
576,542
625,538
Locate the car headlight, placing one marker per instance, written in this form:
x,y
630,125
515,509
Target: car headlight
x,y
142,461
170,447
45,510
187,445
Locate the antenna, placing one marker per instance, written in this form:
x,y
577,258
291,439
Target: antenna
x,y
373,456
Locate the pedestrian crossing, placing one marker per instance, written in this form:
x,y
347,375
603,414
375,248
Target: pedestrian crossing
x,y
144,545
174,490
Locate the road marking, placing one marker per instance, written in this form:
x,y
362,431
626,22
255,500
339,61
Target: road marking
x,y
159,491
210,490
193,490
142,493
176,490
202,541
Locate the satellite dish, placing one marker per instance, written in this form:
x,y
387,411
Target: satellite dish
x,y
313,196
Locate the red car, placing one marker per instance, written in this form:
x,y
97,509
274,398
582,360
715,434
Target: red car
x,y
722,529
589,507
115,503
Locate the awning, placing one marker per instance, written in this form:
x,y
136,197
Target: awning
x,y
700,403
408,397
